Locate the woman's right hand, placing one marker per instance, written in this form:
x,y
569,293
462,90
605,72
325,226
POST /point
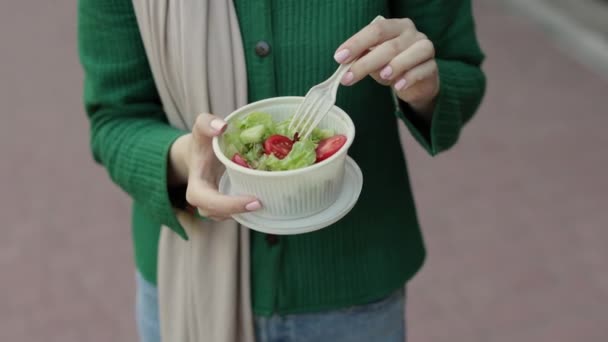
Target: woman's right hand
x,y
192,162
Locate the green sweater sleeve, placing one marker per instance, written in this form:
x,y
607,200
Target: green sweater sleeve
x,y
129,132
450,26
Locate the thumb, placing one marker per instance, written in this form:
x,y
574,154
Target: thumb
x,y
208,126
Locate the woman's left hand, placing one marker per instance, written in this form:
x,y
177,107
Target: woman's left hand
x,y
393,52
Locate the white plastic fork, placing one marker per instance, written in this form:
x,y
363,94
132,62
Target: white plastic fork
x,y
318,101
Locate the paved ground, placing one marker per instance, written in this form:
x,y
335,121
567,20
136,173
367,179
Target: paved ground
x,y
515,217
590,13
579,26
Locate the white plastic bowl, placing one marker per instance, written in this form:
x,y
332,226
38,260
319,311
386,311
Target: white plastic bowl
x,y
295,193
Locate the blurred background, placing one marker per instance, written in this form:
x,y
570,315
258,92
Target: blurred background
x,y
515,217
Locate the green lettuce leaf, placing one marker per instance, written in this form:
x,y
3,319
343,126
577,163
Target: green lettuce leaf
x,y
233,144
281,128
320,134
302,154
256,119
253,155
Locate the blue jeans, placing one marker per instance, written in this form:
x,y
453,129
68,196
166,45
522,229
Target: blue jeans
x,y
381,321
146,310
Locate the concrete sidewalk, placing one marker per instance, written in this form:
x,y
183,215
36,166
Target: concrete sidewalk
x,y
580,28
515,217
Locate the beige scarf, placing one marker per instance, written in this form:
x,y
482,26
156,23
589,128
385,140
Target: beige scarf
x,y
196,56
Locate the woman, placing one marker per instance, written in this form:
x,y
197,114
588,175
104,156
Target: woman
x,y
342,283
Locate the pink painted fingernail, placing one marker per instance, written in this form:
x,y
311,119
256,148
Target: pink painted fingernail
x,y
253,206
386,72
400,84
342,55
218,124
348,78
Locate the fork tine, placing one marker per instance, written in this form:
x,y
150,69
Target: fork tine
x,y
312,112
318,101
321,112
304,113
301,112
296,117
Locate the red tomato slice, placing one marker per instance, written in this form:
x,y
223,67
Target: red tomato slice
x,y
238,159
279,145
327,147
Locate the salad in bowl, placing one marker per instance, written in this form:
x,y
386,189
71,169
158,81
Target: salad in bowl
x,y
292,177
258,142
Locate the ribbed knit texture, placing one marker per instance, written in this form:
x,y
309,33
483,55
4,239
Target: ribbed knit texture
x,y
129,132
374,249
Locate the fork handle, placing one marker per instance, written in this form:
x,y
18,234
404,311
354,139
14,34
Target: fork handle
x,y
337,76
343,68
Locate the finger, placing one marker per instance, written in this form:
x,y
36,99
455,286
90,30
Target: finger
x,y
417,54
377,58
213,203
371,36
419,73
204,214
208,126
225,205
218,218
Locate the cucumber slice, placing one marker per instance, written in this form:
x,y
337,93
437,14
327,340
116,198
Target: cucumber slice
x,y
254,134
